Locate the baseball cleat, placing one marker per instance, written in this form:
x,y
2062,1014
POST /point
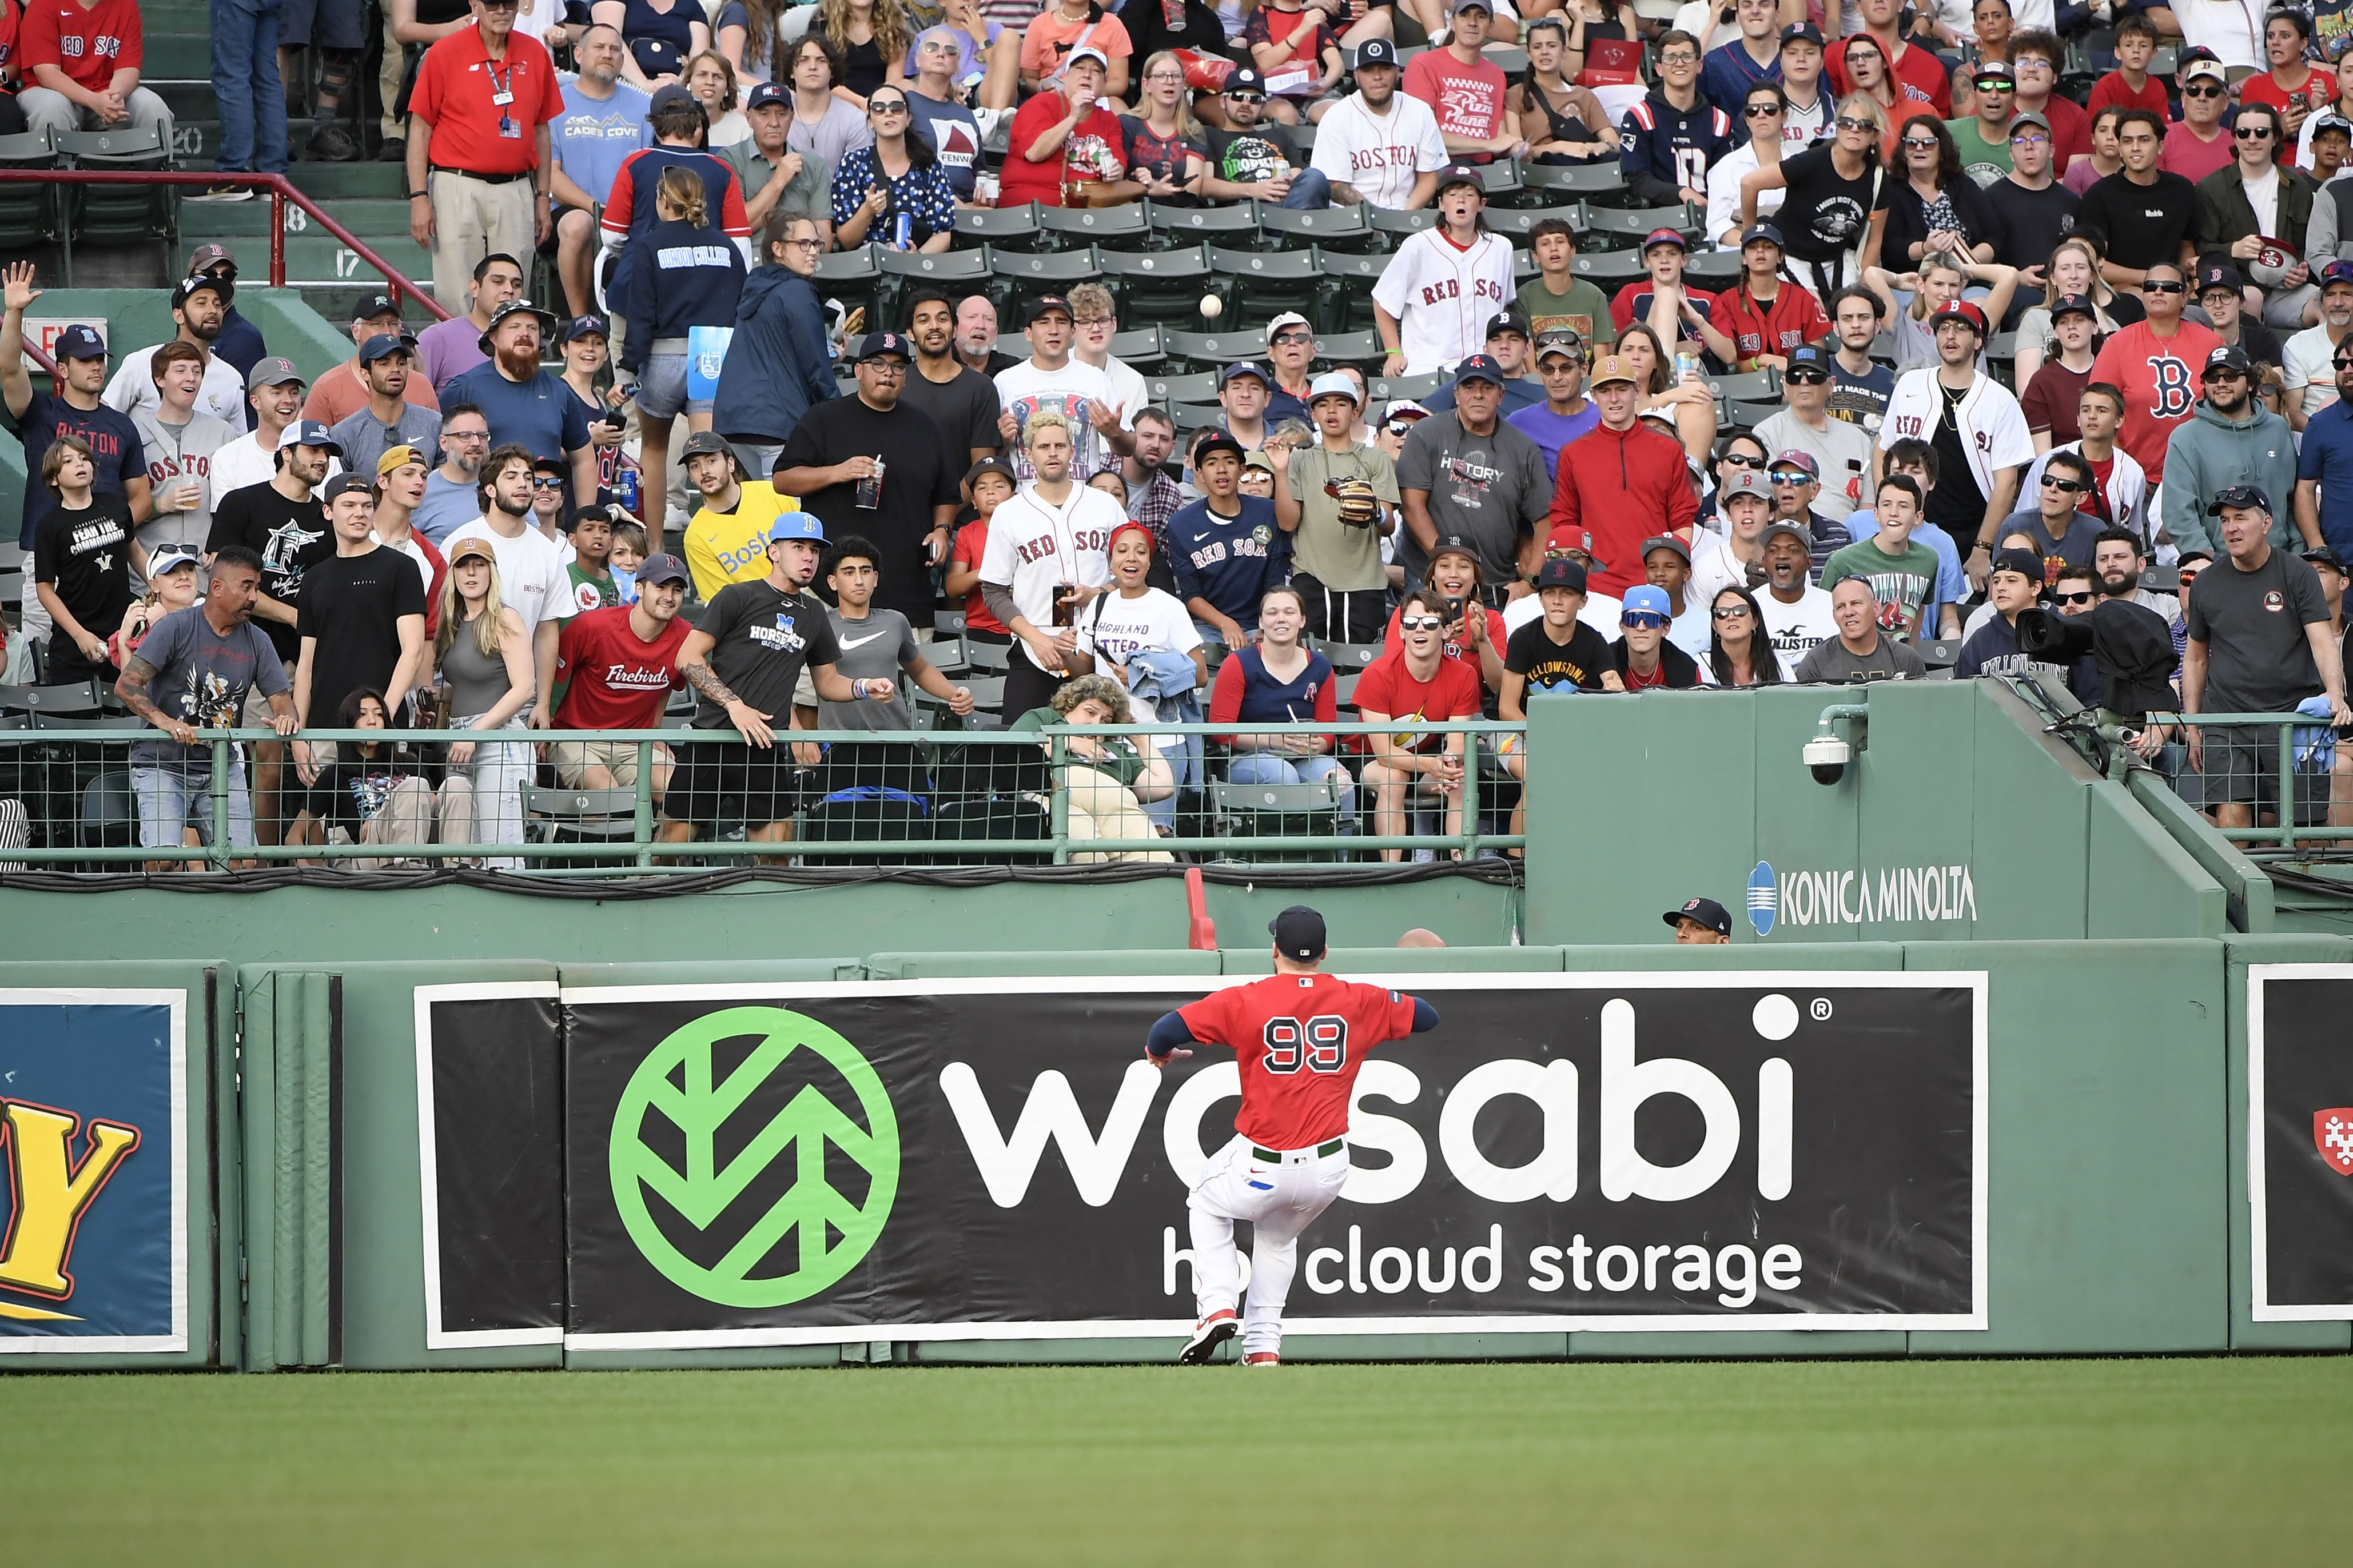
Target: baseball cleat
x,y
1208,1335
1261,1358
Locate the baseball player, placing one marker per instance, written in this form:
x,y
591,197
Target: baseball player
x,y
1433,299
1300,1037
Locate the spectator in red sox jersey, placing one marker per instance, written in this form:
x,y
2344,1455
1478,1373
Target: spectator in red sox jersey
x,y
1767,314
83,57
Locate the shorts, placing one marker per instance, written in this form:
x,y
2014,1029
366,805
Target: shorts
x,y
555,226
331,24
661,388
256,714
2241,768
618,758
172,795
725,781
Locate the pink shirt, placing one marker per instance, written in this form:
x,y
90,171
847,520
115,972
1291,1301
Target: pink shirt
x,y
1467,100
2184,154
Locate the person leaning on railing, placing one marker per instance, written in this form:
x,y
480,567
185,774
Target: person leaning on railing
x,y
1416,682
1105,780
483,653
1281,680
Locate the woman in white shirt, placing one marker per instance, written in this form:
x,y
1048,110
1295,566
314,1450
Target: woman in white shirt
x,y
712,79
1135,618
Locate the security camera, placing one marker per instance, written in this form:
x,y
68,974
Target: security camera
x,y
1826,757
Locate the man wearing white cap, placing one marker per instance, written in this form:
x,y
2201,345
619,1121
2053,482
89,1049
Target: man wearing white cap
x,y
1337,500
274,389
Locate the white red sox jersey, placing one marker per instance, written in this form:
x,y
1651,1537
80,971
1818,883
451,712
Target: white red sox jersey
x,y
1442,294
1034,545
1991,425
1379,156
173,455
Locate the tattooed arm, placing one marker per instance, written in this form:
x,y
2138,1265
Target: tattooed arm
x,y
131,687
693,662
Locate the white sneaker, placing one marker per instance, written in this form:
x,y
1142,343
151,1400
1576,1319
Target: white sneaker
x,y
1208,1335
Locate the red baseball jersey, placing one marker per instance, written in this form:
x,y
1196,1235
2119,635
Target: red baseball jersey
x,y
1299,1040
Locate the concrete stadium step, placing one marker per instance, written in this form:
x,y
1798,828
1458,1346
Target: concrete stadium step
x,y
366,217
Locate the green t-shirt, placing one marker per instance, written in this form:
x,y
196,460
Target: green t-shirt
x,y
1985,163
1584,310
1902,582
591,592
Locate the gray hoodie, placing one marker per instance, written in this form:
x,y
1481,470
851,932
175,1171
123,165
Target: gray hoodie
x,y
2208,453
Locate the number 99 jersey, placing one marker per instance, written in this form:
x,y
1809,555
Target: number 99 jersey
x,y
1299,1040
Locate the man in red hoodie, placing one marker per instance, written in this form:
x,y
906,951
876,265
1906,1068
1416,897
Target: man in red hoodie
x,y
1622,481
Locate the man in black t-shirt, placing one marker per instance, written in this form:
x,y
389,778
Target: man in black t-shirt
x,y
961,401
360,622
2260,642
1255,161
865,465
1555,651
82,558
744,660
2142,213
2033,212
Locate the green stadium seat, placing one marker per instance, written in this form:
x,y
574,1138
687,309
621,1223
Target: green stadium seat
x,y
1395,227
1213,351
1609,270
1246,811
854,277
1025,275
1127,227
319,260
1500,180
1714,270
1628,226
1591,181
1192,417
1347,305
1164,287
1000,228
1741,415
1264,284
1751,386
1139,349
1234,225
1363,349
29,212
1414,387
1334,228
1198,387
120,215
957,272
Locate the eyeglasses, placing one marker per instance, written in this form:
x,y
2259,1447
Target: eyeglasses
x,y
465,435
895,106
2072,598
1641,621
1792,477
2252,132
1854,122
1177,77
545,482
1760,110
1245,98
2053,482
1806,378
1917,143
2028,137
888,369
1422,624
2160,286
1285,338
1679,58
1729,612
1743,460
1093,321
2203,91
812,243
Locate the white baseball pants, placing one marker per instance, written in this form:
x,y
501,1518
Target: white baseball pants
x,y
1280,1198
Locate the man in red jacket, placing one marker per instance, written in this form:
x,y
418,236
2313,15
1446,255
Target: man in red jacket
x,y
1621,481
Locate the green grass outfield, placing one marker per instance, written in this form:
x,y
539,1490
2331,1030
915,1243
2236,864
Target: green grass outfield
x,y
2204,1461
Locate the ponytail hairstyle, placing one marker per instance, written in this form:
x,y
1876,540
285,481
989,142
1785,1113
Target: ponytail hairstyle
x,y
682,189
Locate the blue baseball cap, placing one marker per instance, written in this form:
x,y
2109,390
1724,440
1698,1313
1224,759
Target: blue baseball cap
x,y
584,327
1646,598
310,433
798,525
766,93
79,341
1479,367
1242,367
1809,355
386,343
2334,272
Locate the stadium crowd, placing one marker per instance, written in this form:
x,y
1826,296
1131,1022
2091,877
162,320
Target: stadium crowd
x,y
471,527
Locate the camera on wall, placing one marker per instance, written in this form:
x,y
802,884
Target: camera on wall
x,y
1826,757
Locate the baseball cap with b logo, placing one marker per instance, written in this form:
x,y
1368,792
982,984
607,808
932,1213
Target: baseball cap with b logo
x,y
79,341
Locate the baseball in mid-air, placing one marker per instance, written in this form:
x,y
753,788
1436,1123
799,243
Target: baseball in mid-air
x,y
1211,305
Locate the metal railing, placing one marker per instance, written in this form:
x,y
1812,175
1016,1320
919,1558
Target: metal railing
x,y
282,192
2305,787
71,780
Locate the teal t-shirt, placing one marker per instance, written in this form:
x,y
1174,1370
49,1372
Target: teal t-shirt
x,y
1904,583
1985,163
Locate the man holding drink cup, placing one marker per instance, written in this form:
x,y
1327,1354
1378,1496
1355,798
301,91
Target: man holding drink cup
x,y
1049,553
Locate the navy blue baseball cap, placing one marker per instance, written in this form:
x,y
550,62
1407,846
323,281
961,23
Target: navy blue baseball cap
x,y
766,93
584,327
1809,355
79,341
1240,368
1757,231
1706,912
2240,496
1217,441
1298,934
1242,78
2337,272
1480,367
885,345
386,343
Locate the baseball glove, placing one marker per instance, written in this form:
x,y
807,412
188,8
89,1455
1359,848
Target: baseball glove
x,y
1359,507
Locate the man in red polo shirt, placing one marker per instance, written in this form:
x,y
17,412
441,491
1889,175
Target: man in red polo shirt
x,y
480,162
83,58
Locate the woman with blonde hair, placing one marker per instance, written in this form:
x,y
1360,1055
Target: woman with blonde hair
x,y
869,37
1163,139
1106,779
1833,211
484,658
1691,405
1944,276
710,77
2073,268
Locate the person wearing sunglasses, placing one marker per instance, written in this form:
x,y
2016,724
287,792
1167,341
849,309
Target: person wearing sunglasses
x,y
1414,683
2243,205
2229,439
2157,361
2324,490
1982,140
1250,161
896,176
1840,452
2015,586
2058,534
2200,144
2143,210
1642,657
1834,195
1738,651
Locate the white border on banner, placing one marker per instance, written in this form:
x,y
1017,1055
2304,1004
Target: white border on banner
x,y
2258,1214
182,1140
1973,980
436,1338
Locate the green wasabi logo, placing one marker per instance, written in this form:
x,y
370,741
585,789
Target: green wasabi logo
x,y
676,1083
